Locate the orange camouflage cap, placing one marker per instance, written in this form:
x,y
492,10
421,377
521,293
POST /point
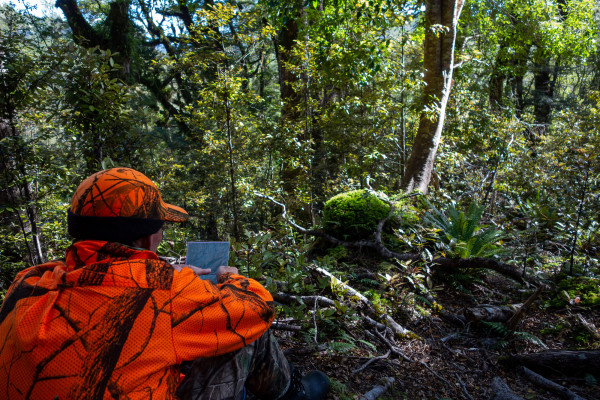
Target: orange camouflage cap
x,y
119,203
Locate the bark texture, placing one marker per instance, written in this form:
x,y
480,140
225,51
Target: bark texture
x,y
438,64
570,363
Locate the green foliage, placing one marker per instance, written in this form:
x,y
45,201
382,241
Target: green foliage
x,y
498,328
461,233
355,214
580,290
341,390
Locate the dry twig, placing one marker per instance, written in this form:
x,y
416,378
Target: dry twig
x,y
370,361
464,388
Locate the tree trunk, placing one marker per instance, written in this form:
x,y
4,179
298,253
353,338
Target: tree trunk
x,y
117,24
290,99
510,66
497,79
438,64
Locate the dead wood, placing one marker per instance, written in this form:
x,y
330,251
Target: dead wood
x,y
514,320
395,350
547,384
456,320
285,327
441,263
479,263
489,313
370,361
569,363
378,390
463,386
502,391
368,306
374,324
590,327
286,298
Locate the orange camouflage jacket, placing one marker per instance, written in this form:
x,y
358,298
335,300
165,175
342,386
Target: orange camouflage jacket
x,y
115,322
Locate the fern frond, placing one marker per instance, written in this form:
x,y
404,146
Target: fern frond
x,y
496,327
530,338
341,347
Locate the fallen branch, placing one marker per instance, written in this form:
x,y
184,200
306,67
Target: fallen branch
x,y
370,361
285,327
590,327
502,391
370,309
464,387
378,390
480,263
287,298
374,324
550,385
395,350
514,320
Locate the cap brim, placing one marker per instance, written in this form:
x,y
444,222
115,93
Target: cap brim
x,y
173,213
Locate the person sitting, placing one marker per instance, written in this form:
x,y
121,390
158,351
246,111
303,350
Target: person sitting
x,y
113,321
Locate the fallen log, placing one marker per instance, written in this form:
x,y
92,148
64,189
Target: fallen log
x,y
549,385
489,313
285,327
567,362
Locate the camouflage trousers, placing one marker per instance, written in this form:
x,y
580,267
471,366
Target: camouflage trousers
x,y
260,367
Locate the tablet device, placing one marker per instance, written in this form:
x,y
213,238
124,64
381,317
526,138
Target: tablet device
x,y
208,255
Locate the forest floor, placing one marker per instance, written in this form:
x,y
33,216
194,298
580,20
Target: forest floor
x,y
452,360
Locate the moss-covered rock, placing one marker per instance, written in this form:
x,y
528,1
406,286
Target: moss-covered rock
x,y
354,215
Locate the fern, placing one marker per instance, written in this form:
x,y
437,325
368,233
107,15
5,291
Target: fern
x,y
530,338
341,347
461,233
497,328
369,282
368,344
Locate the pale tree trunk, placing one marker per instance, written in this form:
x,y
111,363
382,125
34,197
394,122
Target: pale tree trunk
x,y
438,62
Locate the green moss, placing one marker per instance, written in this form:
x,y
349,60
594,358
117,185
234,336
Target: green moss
x,y
582,290
354,215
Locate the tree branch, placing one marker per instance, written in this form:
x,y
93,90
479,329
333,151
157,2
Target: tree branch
x,y
84,34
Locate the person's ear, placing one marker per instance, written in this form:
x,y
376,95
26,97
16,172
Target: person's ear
x,y
142,243
149,242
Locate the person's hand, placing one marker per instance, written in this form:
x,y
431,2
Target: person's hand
x,y
225,269
197,271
